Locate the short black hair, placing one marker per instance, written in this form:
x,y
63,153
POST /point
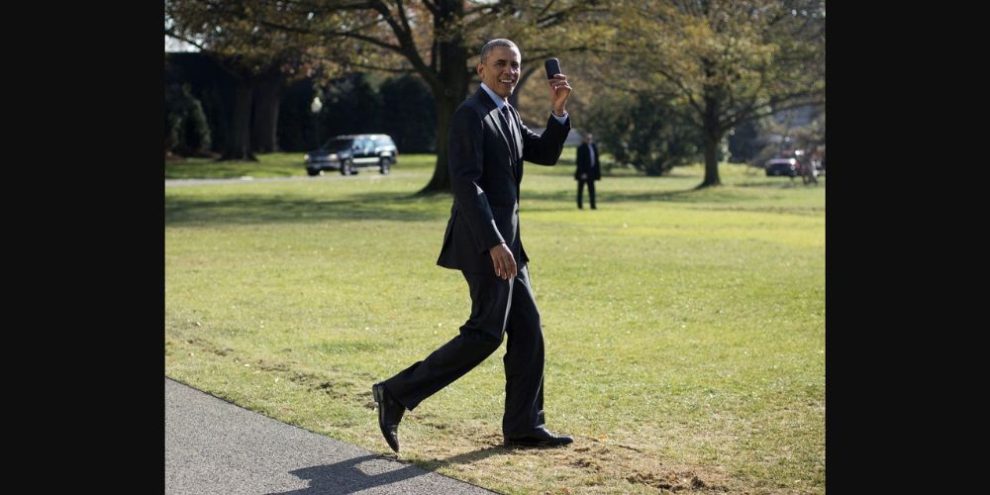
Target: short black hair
x,y
485,50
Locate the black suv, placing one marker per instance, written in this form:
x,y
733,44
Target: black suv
x,y
347,153
782,166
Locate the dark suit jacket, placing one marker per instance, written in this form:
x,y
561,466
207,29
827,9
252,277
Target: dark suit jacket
x,y
485,181
584,162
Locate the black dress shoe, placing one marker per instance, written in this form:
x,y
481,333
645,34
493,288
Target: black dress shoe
x,y
541,437
389,414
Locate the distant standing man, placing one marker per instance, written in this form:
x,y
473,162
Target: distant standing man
x,y
810,175
488,143
588,169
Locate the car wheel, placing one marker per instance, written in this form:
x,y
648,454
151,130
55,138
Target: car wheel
x,y
313,173
383,166
346,168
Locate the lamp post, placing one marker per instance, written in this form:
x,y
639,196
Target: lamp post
x,y
315,107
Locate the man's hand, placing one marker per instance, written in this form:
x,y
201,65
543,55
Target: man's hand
x,y
505,263
560,89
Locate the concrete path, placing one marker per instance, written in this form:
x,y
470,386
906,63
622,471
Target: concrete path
x,y
214,447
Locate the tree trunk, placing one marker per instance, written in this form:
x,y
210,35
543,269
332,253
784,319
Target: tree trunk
x,y
713,135
451,88
264,125
440,182
711,162
238,146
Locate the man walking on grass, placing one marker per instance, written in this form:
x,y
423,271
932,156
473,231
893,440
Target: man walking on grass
x,y
488,143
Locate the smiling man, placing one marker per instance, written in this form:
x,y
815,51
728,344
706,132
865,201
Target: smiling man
x,y
488,144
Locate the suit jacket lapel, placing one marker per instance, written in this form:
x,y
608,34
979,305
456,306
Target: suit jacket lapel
x,y
495,116
517,123
517,137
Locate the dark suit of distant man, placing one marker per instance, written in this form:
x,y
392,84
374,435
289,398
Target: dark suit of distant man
x,y
588,170
482,240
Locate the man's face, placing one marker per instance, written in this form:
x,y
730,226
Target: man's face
x,y
500,71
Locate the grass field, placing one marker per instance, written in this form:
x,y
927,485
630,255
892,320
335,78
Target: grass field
x,y
685,330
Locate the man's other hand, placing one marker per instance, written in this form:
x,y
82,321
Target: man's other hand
x,y
505,263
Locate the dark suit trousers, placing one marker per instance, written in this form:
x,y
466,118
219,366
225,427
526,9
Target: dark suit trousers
x,y
591,192
498,307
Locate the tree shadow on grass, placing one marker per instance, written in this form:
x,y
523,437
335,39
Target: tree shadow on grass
x,y
249,209
717,195
265,209
775,183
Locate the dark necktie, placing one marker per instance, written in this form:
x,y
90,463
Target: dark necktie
x,y
510,129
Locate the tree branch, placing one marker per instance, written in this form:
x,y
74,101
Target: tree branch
x,y
684,90
172,34
369,39
382,69
407,45
432,6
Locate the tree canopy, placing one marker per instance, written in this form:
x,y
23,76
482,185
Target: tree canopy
x,y
723,61
716,63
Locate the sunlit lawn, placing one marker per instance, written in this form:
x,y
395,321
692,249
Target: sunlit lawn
x,y
684,329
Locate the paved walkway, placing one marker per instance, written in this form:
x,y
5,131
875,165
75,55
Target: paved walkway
x,y
213,446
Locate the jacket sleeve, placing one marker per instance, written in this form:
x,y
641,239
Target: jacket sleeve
x,y
598,161
545,149
580,161
466,165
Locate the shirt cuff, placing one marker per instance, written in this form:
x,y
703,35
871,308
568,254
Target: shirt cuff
x,y
562,120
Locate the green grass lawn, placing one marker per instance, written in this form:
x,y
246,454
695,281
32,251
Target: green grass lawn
x,y
272,165
685,330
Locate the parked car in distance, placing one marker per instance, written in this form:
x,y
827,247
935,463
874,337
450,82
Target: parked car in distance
x,y
348,152
782,166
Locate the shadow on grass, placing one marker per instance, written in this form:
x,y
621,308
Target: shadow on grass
x,y
468,457
258,209
778,183
403,207
710,195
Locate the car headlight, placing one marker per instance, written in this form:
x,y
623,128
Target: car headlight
x,y
332,157
306,157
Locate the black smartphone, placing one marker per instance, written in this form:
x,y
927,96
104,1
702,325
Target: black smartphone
x,y
552,65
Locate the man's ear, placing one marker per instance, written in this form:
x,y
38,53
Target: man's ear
x,y
479,68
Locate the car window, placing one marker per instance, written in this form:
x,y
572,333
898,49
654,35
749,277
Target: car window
x,y
338,143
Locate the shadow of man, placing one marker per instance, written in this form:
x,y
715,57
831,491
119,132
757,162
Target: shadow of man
x,y
369,471
468,457
351,475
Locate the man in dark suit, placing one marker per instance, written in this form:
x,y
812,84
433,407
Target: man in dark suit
x,y
488,143
588,169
